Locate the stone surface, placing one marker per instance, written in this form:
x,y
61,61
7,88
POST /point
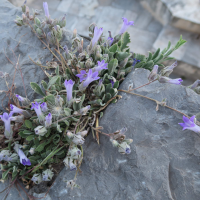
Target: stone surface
x,y
23,42
141,40
187,54
164,162
183,14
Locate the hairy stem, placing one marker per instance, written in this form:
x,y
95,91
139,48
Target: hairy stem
x,y
142,85
157,102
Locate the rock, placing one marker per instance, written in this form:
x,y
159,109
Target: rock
x,y
164,162
23,42
183,14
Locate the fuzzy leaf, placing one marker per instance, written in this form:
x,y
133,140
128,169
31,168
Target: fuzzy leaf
x,y
113,48
50,99
112,66
125,40
37,88
44,84
52,81
30,137
28,124
122,55
40,147
67,111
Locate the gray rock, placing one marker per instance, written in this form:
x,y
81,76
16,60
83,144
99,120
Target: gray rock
x,y
164,162
23,42
183,14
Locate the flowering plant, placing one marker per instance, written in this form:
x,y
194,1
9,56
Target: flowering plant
x,y
42,134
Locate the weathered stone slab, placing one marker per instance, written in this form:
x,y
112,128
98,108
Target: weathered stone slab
x,y
164,162
183,14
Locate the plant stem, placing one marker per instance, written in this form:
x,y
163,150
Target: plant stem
x,y
142,85
43,42
157,102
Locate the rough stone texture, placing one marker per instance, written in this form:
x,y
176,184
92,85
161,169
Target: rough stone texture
x,y
164,162
182,14
23,42
187,54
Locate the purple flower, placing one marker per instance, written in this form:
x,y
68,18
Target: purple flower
x,y
48,121
189,124
82,75
20,98
112,82
23,159
6,119
44,107
38,111
72,166
69,86
15,109
110,41
176,81
97,35
153,73
46,10
90,77
125,25
195,84
135,61
66,49
168,70
101,65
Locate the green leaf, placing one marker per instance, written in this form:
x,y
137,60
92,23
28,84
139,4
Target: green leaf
x,y
40,147
52,81
149,65
44,84
116,84
27,132
28,124
122,55
5,174
37,88
14,174
101,114
30,137
22,134
112,66
57,70
125,40
48,157
50,99
67,111
156,54
113,48
150,57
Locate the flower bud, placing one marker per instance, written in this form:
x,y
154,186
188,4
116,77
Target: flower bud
x,y
23,100
75,152
32,151
59,101
39,32
74,34
195,84
47,175
44,107
114,143
124,148
40,130
27,11
24,7
169,69
70,134
153,74
91,27
89,63
78,140
38,22
37,178
82,133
